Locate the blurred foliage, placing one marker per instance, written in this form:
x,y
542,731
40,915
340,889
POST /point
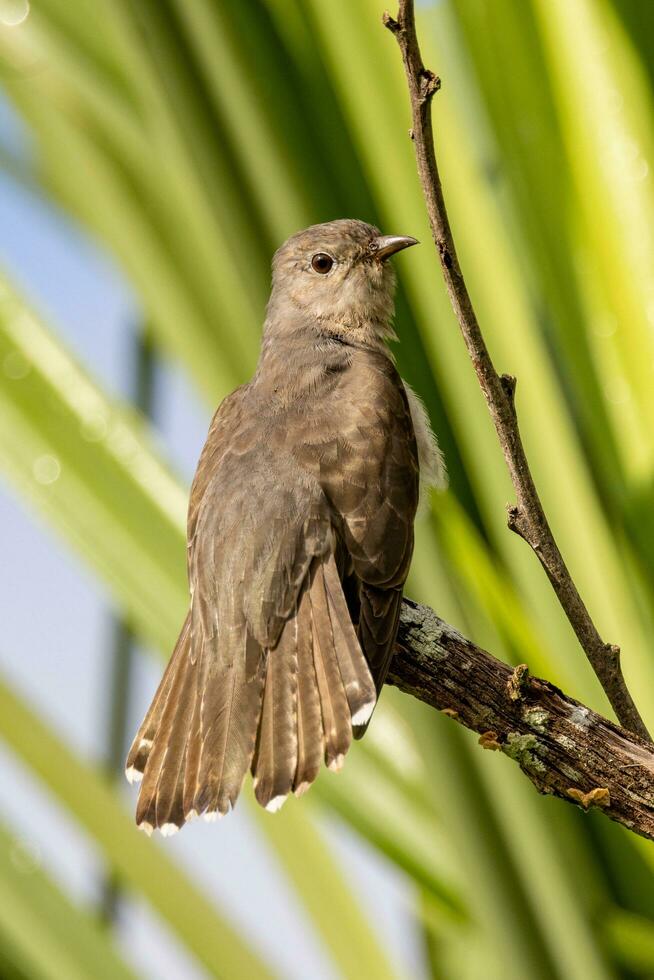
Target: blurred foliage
x,y
41,932
191,137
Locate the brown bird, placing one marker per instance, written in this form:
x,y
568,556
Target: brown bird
x,y
300,534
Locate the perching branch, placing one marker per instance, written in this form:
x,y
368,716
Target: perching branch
x,y
527,517
564,748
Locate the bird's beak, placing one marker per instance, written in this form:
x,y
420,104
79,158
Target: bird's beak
x,y
386,245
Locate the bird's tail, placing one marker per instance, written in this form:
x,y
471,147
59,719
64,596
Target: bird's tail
x,y
279,711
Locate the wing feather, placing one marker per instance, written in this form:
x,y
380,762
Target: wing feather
x,y
336,720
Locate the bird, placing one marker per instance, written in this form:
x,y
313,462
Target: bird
x,y
299,539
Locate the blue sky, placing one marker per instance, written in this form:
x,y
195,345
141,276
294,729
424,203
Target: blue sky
x,y
57,629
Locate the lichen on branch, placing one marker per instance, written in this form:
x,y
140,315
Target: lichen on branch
x,y
563,747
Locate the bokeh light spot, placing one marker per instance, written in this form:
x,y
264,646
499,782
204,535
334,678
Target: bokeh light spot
x,y
13,12
46,469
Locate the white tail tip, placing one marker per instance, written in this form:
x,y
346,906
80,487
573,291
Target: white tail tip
x,y
146,827
362,715
133,775
337,763
169,829
275,804
212,815
191,815
302,788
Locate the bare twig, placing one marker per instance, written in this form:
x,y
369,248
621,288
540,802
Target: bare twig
x,y
527,517
564,748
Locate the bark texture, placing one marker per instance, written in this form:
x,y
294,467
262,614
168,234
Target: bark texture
x,y
564,748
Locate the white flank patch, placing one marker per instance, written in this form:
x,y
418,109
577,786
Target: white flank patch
x,y
275,804
133,775
169,829
361,716
337,763
146,827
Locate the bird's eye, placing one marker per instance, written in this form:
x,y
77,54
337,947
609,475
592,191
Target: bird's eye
x,y
322,263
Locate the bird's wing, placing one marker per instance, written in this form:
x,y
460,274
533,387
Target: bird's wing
x,y
256,529
373,485
268,669
225,421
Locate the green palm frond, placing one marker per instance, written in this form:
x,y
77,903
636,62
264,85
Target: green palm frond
x,y
143,867
190,137
42,934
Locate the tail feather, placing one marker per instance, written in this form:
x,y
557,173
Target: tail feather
x,y
355,673
336,719
229,714
310,737
193,753
231,706
168,746
137,756
275,762
169,804
170,810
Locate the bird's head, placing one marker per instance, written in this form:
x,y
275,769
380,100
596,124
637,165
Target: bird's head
x,y
338,274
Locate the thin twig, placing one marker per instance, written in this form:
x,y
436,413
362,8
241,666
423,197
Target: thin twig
x,y
565,749
527,517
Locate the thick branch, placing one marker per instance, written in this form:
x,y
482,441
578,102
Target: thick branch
x,y
527,517
564,748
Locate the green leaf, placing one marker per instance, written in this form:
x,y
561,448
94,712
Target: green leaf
x,y
345,930
631,938
140,863
89,464
190,137
45,935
